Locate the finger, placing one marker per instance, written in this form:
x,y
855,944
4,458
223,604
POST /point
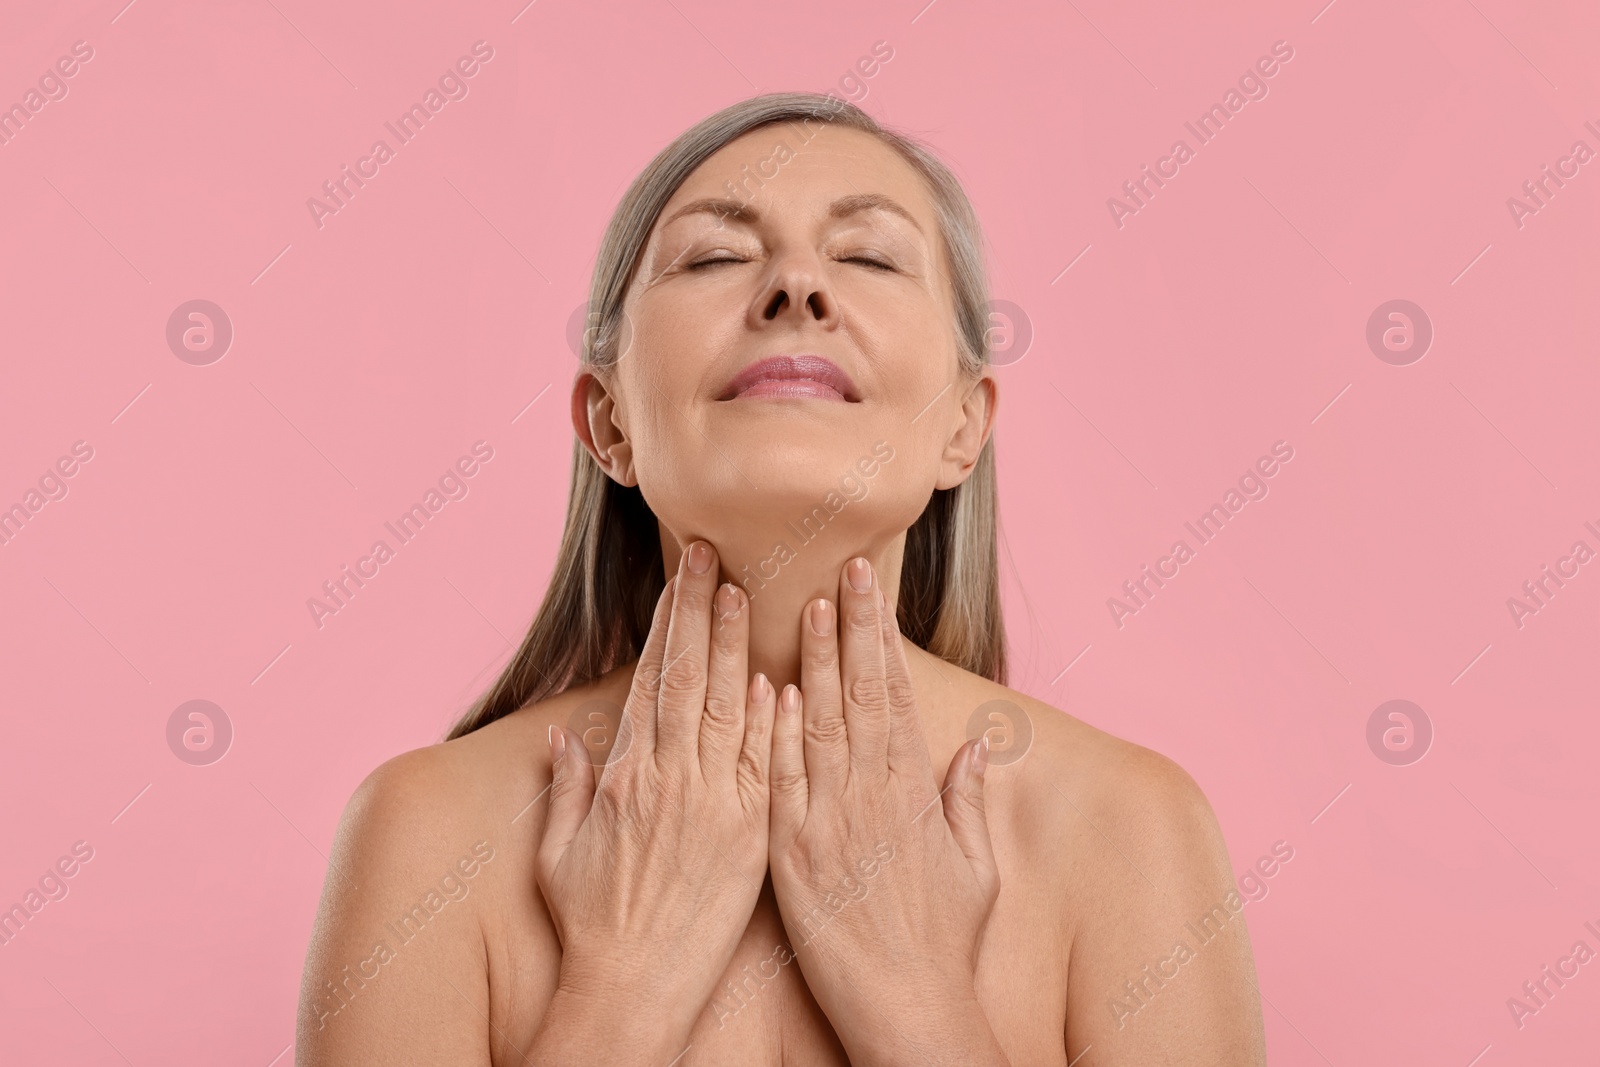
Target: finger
x,y
636,733
826,744
861,676
907,746
755,754
571,794
965,814
683,668
789,785
727,679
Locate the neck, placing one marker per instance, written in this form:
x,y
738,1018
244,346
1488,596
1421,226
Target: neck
x,y
780,583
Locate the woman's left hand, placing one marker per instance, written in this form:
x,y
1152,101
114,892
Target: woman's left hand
x,y
883,889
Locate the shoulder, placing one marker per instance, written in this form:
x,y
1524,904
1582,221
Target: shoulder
x,y
424,800
1062,777
1138,867
431,859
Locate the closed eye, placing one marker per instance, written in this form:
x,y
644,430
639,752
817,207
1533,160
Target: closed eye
x,y
866,260
869,262
711,262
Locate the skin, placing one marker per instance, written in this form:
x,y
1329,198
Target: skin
x,y
795,849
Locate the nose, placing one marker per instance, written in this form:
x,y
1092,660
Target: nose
x,y
796,289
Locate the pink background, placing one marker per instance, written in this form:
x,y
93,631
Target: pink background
x,y
1229,313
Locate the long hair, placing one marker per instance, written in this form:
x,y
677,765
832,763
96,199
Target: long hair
x,y
608,575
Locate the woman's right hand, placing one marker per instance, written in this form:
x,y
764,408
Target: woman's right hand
x,y
651,876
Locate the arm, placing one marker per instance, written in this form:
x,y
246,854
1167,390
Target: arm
x,y
383,980
1160,969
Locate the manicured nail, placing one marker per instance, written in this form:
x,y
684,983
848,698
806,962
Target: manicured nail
x,y
727,601
760,689
980,757
859,574
790,699
821,618
699,557
558,743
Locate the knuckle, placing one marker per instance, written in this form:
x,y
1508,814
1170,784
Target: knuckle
x,y
749,767
690,599
868,694
823,655
611,797
788,781
826,730
646,683
861,621
683,677
721,710
900,692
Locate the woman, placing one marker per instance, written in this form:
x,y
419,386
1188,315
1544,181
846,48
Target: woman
x,y
752,814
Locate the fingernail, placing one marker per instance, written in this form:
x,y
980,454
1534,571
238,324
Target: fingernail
x,y
821,618
727,601
760,689
859,574
790,699
558,743
980,757
699,557
883,601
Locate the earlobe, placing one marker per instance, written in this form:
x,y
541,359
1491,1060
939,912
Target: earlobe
x,y
972,433
593,413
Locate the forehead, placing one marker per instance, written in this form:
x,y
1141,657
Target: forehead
x,y
795,167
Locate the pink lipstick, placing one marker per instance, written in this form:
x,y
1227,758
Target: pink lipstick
x,y
804,375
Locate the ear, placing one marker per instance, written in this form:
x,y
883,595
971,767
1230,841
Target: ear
x,y
594,420
975,424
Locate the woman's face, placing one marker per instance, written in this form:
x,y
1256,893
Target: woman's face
x,y
789,331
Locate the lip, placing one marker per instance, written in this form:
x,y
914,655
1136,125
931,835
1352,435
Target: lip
x,y
802,375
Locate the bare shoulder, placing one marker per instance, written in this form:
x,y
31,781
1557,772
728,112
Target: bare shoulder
x,y
1123,845
1047,764
431,861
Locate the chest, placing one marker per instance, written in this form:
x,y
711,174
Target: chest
x,y
762,1011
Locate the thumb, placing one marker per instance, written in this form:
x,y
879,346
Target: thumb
x,y
964,812
571,793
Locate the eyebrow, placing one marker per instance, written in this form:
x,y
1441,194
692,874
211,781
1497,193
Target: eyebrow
x,y
841,208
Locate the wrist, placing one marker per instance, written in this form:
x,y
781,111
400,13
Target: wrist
x,y
582,1019
942,1023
